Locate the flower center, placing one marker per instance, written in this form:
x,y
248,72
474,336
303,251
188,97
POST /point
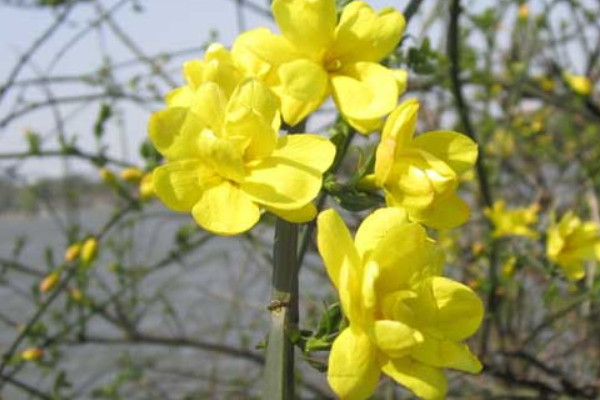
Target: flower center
x,y
332,64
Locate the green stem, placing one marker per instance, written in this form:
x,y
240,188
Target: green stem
x,y
279,367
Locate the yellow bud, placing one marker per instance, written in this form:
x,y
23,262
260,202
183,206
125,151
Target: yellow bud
x,y
106,175
146,187
72,252
89,250
579,84
32,354
76,294
508,268
477,248
523,11
50,281
132,174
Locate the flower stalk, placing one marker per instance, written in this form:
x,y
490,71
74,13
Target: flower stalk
x,y
279,368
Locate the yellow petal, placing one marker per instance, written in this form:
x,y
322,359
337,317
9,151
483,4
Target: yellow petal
x,y
401,76
397,134
427,382
259,52
307,24
365,126
180,97
402,255
281,183
394,338
292,175
252,120
335,244
376,226
353,371
449,308
298,216
223,157
307,149
175,132
180,184
363,35
303,87
455,149
445,212
224,209
446,354
417,179
365,91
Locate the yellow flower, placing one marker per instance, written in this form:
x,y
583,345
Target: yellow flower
x,y
316,56
578,83
89,251
514,222
132,174
404,319
421,174
50,281
571,242
225,159
72,252
32,354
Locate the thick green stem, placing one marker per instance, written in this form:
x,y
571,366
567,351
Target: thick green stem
x,y
279,367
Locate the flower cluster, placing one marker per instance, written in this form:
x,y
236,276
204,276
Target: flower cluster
x,y
225,162
405,319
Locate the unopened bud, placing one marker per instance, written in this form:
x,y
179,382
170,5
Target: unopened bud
x,y
50,281
146,187
76,294
72,252
523,11
32,354
107,176
132,174
89,250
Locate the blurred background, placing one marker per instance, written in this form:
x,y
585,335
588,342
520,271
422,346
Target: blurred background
x,y
167,311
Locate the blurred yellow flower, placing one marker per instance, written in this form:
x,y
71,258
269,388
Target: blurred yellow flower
x,y
404,319
513,222
225,159
580,84
421,174
316,55
571,242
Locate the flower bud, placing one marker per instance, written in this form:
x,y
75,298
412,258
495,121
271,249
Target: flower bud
x,y
146,187
50,281
132,174
76,294
107,176
89,250
32,354
72,252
